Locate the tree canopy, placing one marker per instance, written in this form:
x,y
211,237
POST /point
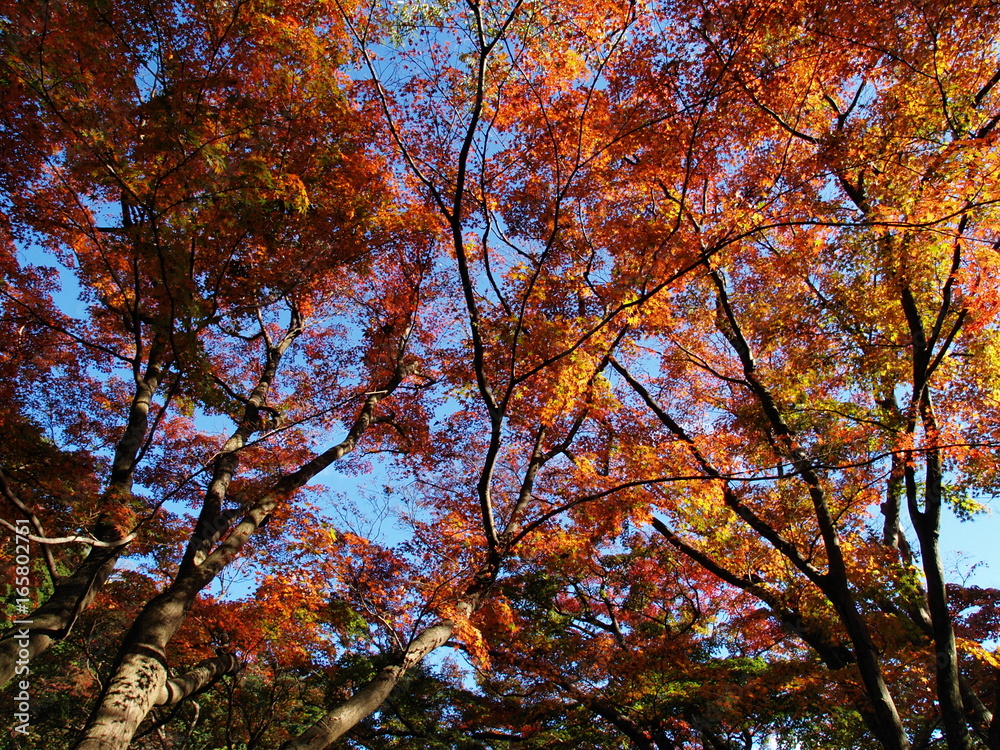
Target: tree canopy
x,y
657,338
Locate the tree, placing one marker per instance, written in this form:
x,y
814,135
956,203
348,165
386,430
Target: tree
x,y
617,290
798,213
837,432
212,268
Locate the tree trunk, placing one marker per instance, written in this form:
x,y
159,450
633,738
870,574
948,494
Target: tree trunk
x,y
53,621
953,713
347,714
197,679
140,677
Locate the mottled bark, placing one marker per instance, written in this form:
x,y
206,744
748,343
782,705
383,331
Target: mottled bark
x,y
197,679
140,676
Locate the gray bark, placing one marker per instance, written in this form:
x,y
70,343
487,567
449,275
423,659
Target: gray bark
x,y
197,679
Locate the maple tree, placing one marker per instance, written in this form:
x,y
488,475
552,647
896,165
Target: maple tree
x,y
642,310
215,262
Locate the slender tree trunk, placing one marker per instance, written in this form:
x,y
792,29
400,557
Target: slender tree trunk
x,y
53,621
889,727
980,717
927,521
638,738
949,693
343,717
835,582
